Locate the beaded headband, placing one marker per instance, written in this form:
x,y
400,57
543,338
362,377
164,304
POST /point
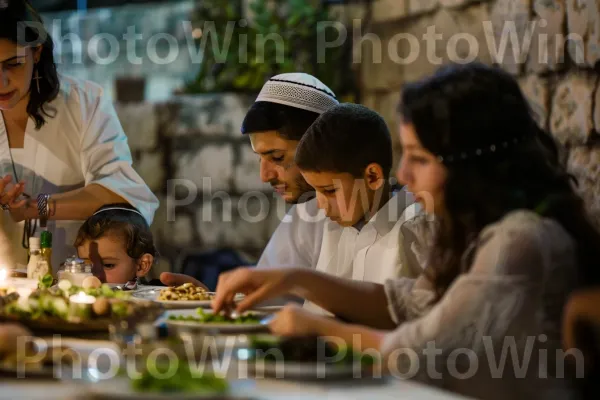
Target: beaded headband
x,y
118,208
491,149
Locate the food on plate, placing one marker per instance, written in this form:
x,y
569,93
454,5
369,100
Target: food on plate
x,y
205,317
57,303
183,380
101,306
187,291
91,282
307,349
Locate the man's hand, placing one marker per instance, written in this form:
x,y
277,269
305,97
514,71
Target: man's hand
x,y
171,279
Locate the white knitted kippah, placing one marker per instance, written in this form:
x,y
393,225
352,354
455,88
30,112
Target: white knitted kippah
x,y
298,90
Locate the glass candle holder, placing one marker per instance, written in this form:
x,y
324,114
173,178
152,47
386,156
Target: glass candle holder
x,y
80,306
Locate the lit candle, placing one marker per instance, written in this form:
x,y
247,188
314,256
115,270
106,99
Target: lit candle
x,y
9,284
3,283
81,305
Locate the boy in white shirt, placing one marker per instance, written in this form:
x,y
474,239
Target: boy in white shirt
x,y
346,156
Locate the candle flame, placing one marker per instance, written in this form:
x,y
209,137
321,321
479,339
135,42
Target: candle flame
x,y
81,297
3,274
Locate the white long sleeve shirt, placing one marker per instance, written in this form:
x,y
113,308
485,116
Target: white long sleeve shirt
x,y
297,240
379,251
374,253
84,143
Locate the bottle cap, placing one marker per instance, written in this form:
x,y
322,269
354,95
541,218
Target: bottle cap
x,y
46,239
34,243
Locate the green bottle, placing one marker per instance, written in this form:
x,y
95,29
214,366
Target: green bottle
x,y
46,249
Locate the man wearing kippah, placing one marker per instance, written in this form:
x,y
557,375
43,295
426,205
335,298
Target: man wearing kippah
x,y
285,108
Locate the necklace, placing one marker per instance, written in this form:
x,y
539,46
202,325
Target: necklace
x,y
29,227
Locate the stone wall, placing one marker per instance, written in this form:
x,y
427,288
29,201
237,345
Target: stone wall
x,y
192,155
559,76
150,41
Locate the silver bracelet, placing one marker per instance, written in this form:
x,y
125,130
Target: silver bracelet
x,y
42,204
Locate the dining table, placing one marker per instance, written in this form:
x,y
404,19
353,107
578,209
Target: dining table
x,y
32,388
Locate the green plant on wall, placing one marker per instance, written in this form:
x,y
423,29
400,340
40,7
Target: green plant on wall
x,y
281,37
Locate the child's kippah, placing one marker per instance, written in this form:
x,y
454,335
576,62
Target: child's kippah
x,y
298,90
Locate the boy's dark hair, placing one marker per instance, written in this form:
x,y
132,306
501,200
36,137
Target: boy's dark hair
x,y
346,138
117,219
290,122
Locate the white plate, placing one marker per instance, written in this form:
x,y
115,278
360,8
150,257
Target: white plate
x,y
303,371
217,327
306,371
152,293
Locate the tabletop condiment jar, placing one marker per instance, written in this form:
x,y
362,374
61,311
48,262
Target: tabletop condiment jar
x,y
75,270
34,256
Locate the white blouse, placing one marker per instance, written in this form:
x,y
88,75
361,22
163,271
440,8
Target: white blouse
x,y
523,269
84,143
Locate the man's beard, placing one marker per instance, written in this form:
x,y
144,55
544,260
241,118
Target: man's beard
x,y
302,190
305,191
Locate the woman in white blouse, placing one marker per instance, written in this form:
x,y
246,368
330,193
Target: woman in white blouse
x,y
512,241
63,152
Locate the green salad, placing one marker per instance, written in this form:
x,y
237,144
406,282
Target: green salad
x,y
208,317
53,301
183,380
66,289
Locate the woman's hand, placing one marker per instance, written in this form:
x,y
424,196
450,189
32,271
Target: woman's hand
x,y
257,284
9,198
293,320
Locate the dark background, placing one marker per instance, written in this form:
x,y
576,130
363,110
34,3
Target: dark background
x,y
58,5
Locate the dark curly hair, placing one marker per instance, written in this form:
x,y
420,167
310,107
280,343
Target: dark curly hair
x,y
117,219
21,24
478,122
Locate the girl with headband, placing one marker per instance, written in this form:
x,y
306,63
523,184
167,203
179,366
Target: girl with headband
x,y
117,240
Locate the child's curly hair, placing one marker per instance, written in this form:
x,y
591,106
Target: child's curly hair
x,y
121,220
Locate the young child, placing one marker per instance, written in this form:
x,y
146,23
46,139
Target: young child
x,y
346,156
117,240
